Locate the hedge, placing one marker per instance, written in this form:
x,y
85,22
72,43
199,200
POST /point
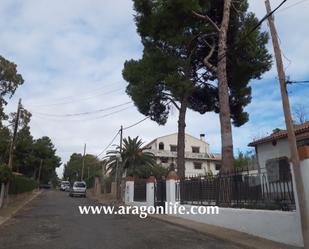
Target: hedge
x,y
89,182
22,184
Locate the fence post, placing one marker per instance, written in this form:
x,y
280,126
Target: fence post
x,y
129,194
150,195
171,187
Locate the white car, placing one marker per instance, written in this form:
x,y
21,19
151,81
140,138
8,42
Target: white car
x,y
78,189
65,186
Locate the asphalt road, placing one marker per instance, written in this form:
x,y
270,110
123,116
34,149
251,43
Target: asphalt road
x,y
52,221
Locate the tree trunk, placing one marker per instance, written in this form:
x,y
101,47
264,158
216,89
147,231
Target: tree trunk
x,y
181,139
6,194
225,115
34,174
2,194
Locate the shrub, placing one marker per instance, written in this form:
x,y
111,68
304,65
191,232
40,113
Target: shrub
x,y
89,182
22,184
107,184
5,174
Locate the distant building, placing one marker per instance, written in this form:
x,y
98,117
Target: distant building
x,y
198,159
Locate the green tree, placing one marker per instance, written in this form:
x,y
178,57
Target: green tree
x,y
234,53
29,152
9,82
165,77
245,160
5,177
23,151
24,140
73,168
135,160
5,138
43,149
174,69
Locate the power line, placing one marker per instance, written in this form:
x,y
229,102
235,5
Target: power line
x,y
297,82
85,119
113,139
247,35
253,29
79,99
82,113
292,5
126,128
289,61
109,114
84,92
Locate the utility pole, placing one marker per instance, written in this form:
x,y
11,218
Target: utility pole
x,y
39,176
121,134
103,176
119,168
11,152
83,164
290,129
14,135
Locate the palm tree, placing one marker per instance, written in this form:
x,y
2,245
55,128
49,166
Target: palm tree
x,y
133,155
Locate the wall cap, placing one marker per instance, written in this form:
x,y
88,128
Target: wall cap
x,y
130,179
151,179
172,175
172,178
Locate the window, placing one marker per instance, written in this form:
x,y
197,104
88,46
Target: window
x,y
218,166
173,148
161,146
164,160
197,165
278,169
195,149
79,185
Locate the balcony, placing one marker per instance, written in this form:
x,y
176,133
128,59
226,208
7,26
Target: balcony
x,y
188,155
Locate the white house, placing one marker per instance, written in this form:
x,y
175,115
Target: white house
x,y
273,152
198,159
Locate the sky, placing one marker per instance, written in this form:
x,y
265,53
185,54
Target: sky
x,y
71,54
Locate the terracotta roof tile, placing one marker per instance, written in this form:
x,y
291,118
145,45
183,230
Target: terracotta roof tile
x,y
300,132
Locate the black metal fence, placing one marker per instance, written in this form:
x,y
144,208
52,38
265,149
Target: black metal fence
x,y
240,190
160,193
140,190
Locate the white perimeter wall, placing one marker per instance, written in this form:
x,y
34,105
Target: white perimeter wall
x,y
304,168
283,227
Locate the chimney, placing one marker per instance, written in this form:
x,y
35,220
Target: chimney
x,y
202,137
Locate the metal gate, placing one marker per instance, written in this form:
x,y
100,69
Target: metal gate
x,y
160,193
140,190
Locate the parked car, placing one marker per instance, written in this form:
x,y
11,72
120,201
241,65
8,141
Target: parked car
x,y
78,189
65,186
45,186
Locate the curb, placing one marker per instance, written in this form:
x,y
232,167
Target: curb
x,y
252,242
36,194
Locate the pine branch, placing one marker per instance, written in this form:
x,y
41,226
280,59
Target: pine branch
x,y
207,18
174,103
210,66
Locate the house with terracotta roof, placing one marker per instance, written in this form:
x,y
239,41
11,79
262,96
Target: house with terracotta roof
x,y
273,152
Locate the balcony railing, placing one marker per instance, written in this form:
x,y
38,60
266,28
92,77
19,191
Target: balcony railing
x,y
190,155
